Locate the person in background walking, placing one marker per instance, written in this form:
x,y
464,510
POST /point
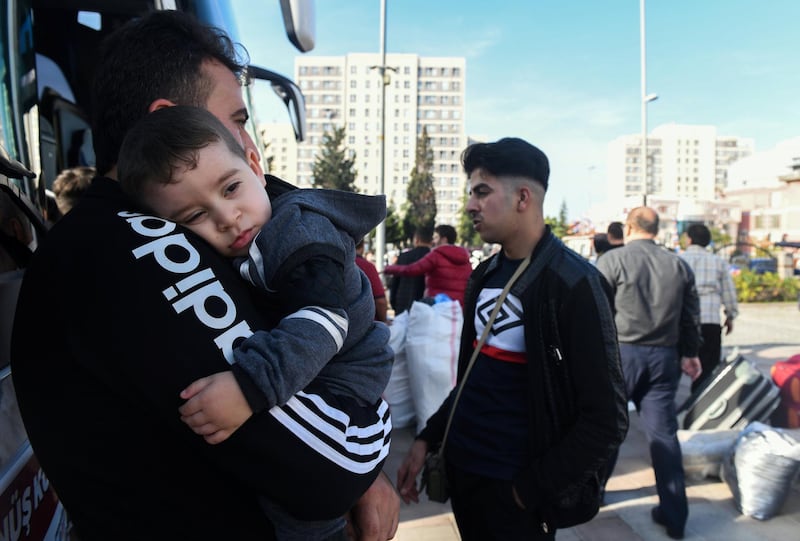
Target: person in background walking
x,y
404,290
70,185
715,289
658,323
615,235
446,267
378,291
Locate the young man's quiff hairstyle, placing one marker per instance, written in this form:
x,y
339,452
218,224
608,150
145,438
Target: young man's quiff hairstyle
x,y
166,141
159,55
508,157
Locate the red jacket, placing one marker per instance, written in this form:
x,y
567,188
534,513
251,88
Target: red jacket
x,y
446,269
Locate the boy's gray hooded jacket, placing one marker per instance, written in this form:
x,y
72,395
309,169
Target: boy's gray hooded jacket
x,y
304,259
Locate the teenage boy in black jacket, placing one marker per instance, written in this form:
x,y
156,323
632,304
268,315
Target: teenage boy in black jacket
x,y
517,443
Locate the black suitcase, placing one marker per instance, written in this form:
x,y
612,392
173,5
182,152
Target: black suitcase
x,y
736,394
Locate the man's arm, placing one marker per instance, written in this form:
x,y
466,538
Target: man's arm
x,y
191,312
591,352
690,337
417,268
728,297
381,307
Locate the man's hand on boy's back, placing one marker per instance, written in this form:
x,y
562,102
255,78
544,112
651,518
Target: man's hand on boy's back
x,y
215,407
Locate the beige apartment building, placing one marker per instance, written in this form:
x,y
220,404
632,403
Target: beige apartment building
x,y
421,92
684,161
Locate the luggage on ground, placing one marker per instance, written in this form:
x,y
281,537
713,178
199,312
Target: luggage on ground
x,y
736,394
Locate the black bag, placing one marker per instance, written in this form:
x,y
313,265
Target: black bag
x,y
434,478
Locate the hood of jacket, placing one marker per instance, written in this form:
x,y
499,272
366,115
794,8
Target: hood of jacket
x,y
455,254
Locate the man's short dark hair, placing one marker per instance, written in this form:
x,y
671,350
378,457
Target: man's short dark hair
x,y
509,156
167,140
448,232
424,234
159,55
615,230
699,234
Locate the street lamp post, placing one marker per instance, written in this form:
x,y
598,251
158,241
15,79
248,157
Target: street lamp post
x,y
380,231
380,234
646,98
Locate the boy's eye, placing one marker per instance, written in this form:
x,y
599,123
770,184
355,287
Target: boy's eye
x,y
194,218
232,187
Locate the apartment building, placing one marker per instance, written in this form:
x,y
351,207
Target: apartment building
x,y
684,162
280,150
421,92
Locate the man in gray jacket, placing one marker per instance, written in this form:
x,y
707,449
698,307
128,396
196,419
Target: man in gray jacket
x,y
657,313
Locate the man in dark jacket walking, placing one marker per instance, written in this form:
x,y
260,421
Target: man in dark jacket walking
x,y
404,290
543,407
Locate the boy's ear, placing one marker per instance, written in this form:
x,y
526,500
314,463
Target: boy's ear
x,y
255,164
159,104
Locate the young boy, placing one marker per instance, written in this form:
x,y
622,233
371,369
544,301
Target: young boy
x,y
183,164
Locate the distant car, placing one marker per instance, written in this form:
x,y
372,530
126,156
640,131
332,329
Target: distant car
x,y
758,265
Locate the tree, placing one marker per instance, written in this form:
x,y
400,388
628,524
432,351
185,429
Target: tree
x,y
332,168
393,225
420,209
559,226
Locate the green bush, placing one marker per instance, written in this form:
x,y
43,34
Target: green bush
x,y
767,287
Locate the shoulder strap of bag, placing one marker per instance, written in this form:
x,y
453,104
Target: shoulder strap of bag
x,y
479,345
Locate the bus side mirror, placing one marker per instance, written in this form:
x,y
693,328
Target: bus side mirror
x,y
289,93
298,18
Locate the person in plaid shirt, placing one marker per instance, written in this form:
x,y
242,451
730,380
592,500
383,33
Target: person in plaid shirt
x,y
715,289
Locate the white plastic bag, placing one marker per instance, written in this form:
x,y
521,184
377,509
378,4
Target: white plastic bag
x,y
432,342
760,469
704,450
398,390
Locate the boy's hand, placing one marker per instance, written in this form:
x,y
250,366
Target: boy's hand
x,y
215,407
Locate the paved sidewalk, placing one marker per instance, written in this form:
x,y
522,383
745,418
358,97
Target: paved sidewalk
x,y
764,333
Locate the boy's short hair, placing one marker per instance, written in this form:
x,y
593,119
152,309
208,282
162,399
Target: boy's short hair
x,y
509,156
699,234
167,140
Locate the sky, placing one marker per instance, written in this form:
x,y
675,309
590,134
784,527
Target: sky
x,y
565,74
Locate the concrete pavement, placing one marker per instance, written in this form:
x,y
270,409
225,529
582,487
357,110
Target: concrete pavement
x,y
764,333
